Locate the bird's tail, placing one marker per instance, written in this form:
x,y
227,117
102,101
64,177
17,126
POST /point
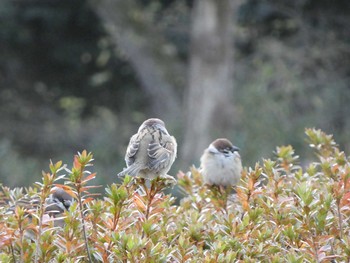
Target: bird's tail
x,y
132,170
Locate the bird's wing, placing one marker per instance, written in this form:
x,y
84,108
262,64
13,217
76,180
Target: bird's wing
x,y
132,149
133,168
26,202
161,153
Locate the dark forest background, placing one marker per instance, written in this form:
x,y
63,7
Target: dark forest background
x,y
82,74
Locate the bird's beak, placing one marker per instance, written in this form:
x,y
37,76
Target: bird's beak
x,y
236,149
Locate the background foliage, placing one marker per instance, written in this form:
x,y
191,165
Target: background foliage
x,y
65,85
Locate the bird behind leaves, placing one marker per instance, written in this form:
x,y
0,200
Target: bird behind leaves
x,y
56,204
151,151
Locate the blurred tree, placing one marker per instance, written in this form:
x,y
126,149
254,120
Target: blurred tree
x,y
132,27
60,81
208,98
293,72
56,61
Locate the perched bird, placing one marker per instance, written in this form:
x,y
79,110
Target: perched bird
x,y
221,163
151,151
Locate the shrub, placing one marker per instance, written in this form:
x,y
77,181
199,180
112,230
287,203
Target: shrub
x,y
280,212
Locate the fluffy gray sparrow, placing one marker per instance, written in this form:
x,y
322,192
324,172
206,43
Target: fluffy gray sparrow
x,y
151,151
221,163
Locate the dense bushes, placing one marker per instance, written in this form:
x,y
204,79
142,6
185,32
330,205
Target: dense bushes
x,y
281,212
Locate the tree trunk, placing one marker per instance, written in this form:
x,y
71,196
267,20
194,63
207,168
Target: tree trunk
x,y
208,100
135,36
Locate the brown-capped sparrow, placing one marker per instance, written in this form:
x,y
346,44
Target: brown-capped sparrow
x,y
56,204
221,163
151,151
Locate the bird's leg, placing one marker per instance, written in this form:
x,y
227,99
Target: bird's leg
x,y
169,180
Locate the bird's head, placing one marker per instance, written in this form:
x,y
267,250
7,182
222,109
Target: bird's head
x,y
223,146
155,124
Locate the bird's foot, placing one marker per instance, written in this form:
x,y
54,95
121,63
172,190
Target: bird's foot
x,y
165,180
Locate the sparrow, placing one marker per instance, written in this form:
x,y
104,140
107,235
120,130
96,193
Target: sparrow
x,y
151,151
221,163
56,204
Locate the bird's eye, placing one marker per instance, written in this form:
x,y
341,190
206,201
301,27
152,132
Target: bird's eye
x,y
227,151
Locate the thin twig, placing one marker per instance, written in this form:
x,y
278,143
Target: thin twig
x,y
150,198
37,241
340,221
116,218
13,253
84,229
315,249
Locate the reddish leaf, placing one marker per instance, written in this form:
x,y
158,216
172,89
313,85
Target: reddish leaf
x,y
89,177
87,200
139,203
76,163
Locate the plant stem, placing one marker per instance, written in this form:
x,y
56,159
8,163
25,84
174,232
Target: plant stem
x,y
115,224
84,229
37,250
340,221
41,214
315,249
13,253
